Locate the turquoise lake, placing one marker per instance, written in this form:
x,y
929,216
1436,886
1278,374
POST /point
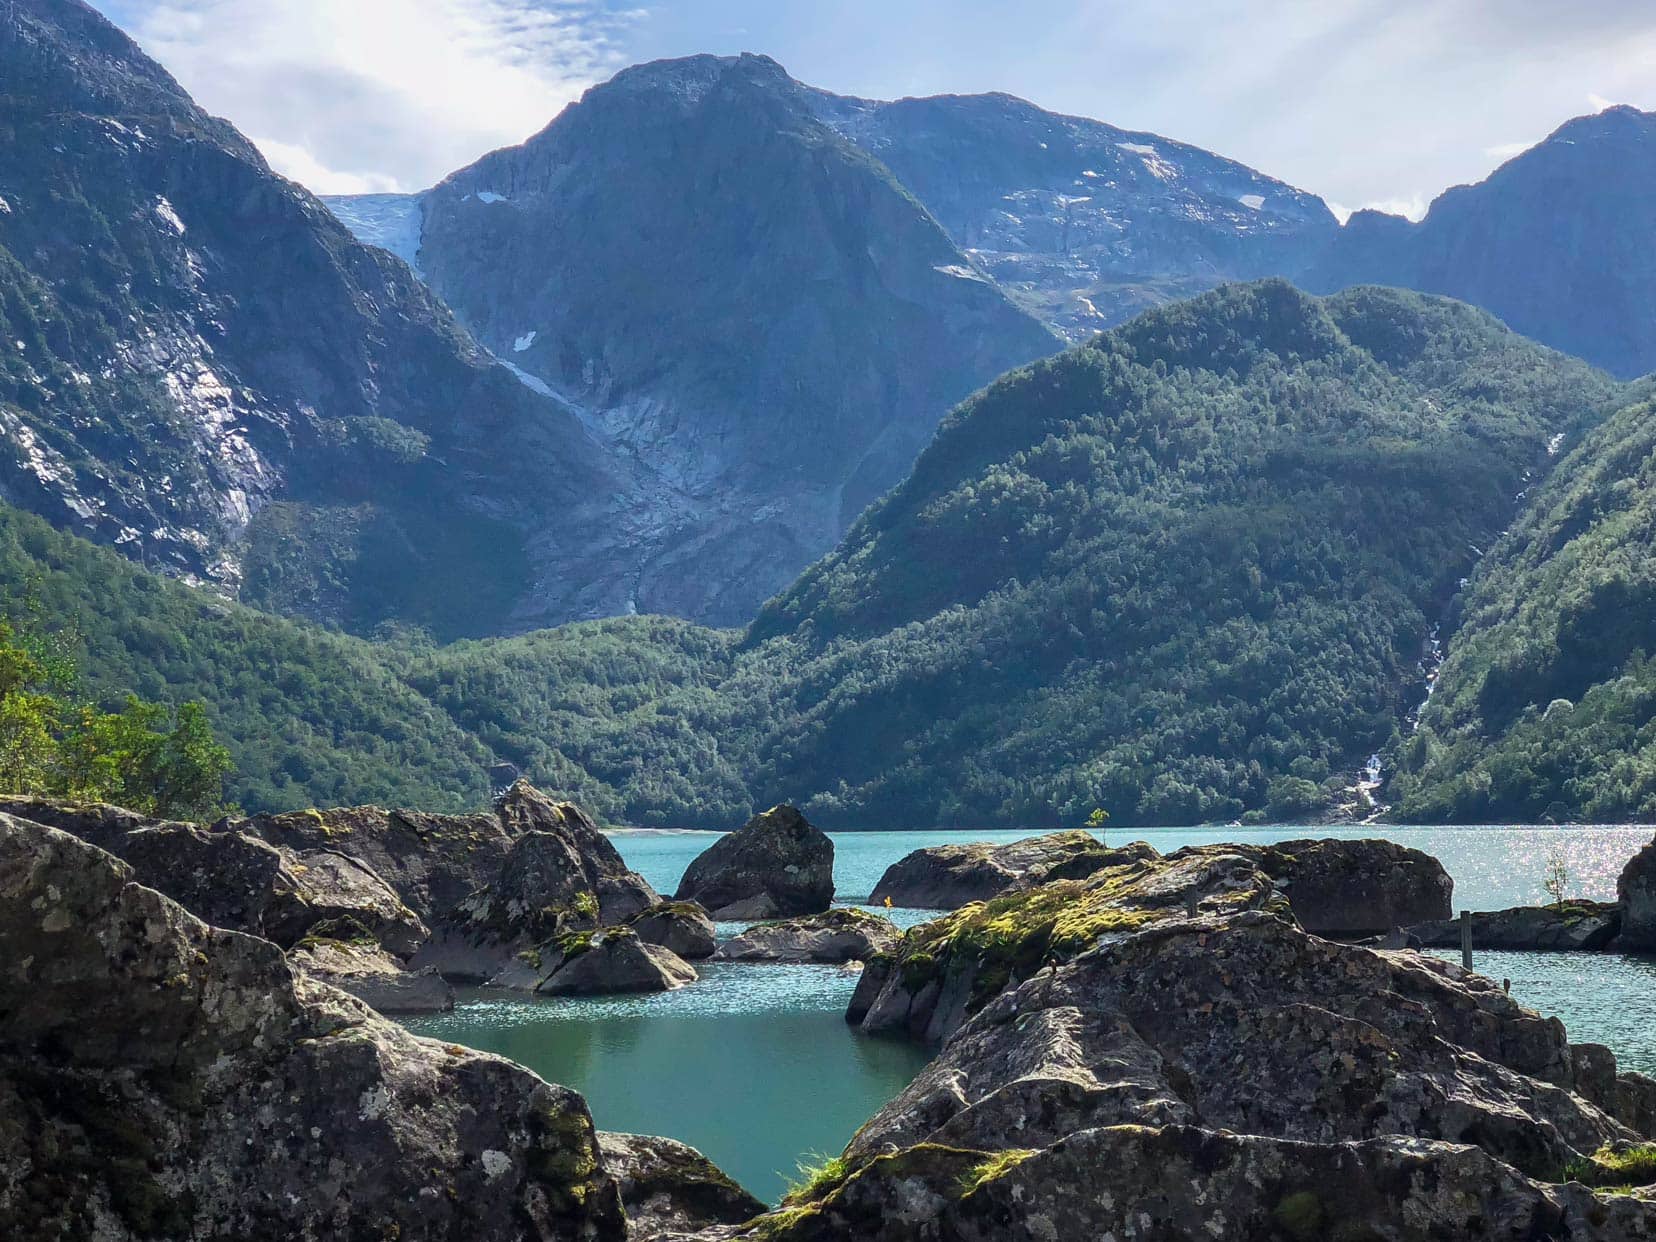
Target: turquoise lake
x,y
754,1065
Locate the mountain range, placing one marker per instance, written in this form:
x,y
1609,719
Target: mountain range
x,y
693,349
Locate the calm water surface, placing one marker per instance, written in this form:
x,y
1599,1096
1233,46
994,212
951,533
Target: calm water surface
x,y
755,1066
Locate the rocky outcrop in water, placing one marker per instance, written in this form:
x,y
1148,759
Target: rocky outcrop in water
x,y
946,877
1350,888
1636,896
775,866
1577,926
163,1078
596,963
670,1190
682,926
373,976
839,935
489,884
1167,1055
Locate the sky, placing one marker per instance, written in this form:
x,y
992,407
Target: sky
x,y
1367,102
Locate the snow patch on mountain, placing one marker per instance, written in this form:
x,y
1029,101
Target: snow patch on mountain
x,y
393,222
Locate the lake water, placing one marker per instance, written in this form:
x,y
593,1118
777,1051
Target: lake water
x,y
755,1066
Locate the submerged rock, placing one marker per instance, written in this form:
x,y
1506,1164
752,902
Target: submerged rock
x,y
1578,925
946,877
776,866
838,935
669,1189
163,1078
1636,895
682,926
373,976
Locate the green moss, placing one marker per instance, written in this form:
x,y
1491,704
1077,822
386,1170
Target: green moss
x,y
998,1165
1633,1164
1300,1215
816,1181
585,905
573,944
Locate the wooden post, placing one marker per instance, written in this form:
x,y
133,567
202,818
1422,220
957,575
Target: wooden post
x,y
1466,939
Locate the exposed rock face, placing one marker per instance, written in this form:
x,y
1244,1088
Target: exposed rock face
x,y
614,960
1224,1073
1545,242
776,866
373,976
1580,925
488,884
215,378
1351,888
1083,223
327,886
682,926
643,257
161,1078
839,935
1636,895
670,1189
946,877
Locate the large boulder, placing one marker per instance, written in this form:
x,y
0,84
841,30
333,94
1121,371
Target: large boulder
x,y
1351,888
1181,1060
373,976
947,877
1576,925
488,885
1636,895
670,1190
163,1078
682,926
236,880
776,866
943,971
836,936
596,963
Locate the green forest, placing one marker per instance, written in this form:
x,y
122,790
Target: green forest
x,y
1185,572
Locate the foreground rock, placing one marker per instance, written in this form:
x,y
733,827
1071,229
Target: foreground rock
x,y
373,976
489,885
682,926
1578,926
946,877
776,866
608,961
1162,1052
670,1189
840,935
162,1078
1636,895
233,879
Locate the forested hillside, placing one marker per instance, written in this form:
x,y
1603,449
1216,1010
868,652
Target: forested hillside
x,y
1184,573
1546,707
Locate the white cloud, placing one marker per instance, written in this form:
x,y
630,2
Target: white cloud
x,y
1598,103
1506,150
380,94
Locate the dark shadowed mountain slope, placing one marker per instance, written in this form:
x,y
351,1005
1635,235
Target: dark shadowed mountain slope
x,y
1083,223
1556,242
201,367
1546,705
732,295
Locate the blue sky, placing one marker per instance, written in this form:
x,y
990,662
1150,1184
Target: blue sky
x,y
1366,102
